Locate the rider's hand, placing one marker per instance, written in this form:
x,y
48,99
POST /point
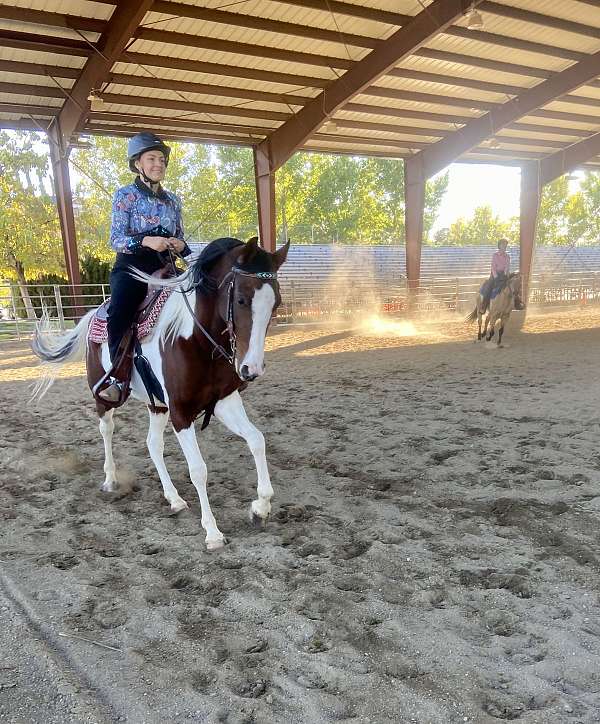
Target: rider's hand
x,y
158,243
176,244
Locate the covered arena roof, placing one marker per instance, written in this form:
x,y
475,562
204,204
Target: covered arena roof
x,y
523,86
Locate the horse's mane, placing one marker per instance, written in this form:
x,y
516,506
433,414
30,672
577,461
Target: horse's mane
x,y
199,272
198,277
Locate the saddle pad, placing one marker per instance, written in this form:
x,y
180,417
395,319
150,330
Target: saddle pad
x,y
98,331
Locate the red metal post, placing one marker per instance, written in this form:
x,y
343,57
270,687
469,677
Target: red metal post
x,y
414,203
265,197
531,189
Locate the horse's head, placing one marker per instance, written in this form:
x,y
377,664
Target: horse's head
x,y
247,302
515,282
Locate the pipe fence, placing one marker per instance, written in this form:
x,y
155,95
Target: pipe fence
x,y
306,299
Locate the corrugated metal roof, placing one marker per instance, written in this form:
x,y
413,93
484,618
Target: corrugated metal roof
x,y
457,76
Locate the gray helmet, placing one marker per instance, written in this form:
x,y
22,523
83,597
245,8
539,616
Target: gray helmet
x,y
142,142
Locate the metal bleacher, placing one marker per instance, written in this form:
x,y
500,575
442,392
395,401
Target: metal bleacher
x,y
316,266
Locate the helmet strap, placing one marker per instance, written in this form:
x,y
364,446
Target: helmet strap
x,y
154,185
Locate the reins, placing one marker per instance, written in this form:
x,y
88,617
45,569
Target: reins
x,y
230,322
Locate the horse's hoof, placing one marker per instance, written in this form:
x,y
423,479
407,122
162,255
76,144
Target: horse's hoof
x,y
109,486
177,506
216,544
257,521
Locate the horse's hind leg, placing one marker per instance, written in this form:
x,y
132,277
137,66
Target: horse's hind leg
x,y
107,427
156,446
479,319
500,333
198,473
232,414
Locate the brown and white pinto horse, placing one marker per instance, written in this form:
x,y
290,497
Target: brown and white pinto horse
x,y
237,293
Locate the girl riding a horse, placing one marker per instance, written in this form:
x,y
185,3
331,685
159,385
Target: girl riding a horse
x,y
146,221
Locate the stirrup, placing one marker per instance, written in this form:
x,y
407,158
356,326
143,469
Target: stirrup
x,y
109,390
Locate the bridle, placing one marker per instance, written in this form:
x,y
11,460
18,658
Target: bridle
x,y
229,279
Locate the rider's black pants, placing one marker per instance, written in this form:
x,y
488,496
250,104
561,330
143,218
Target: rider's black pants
x,y
126,294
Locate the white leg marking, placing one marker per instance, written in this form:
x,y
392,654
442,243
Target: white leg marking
x,y
198,473
156,446
232,414
107,427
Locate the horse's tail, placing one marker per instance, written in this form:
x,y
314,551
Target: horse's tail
x,y
55,351
473,316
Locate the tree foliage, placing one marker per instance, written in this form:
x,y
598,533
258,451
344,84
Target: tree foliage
x,y
29,229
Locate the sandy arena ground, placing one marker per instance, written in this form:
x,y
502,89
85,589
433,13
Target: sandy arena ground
x,y
433,555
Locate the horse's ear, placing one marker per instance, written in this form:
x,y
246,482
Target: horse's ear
x,y
281,255
249,251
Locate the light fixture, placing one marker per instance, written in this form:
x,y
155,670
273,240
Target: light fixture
x,y
83,144
96,103
474,20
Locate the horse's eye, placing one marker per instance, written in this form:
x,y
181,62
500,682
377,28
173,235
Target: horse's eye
x,y
241,301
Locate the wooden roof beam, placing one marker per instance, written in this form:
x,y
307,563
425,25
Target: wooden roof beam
x,y
28,109
208,89
58,20
207,108
120,28
253,22
44,43
222,69
568,159
16,66
392,18
235,48
285,140
547,21
42,17
191,125
433,159
286,28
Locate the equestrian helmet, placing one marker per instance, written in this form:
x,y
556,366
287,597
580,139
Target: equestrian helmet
x,y
142,142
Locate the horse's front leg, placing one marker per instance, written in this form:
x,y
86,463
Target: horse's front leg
x,y
107,427
232,414
485,328
501,330
156,447
198,473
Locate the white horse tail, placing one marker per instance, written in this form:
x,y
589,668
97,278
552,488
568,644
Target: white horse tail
x,y
55,351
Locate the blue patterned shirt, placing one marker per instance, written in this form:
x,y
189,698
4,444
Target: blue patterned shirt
x,y
137,211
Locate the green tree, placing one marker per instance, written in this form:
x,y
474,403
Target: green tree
x,y
482,229
30,241
590,205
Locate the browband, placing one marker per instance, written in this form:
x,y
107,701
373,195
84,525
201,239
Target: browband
x,y
259,275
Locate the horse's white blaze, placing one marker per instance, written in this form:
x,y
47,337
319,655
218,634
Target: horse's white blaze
x,y
263,302
230,411
198,473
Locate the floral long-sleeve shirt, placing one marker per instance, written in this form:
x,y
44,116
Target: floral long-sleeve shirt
x,y
137,212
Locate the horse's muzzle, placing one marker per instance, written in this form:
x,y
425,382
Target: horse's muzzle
x,y
246,375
